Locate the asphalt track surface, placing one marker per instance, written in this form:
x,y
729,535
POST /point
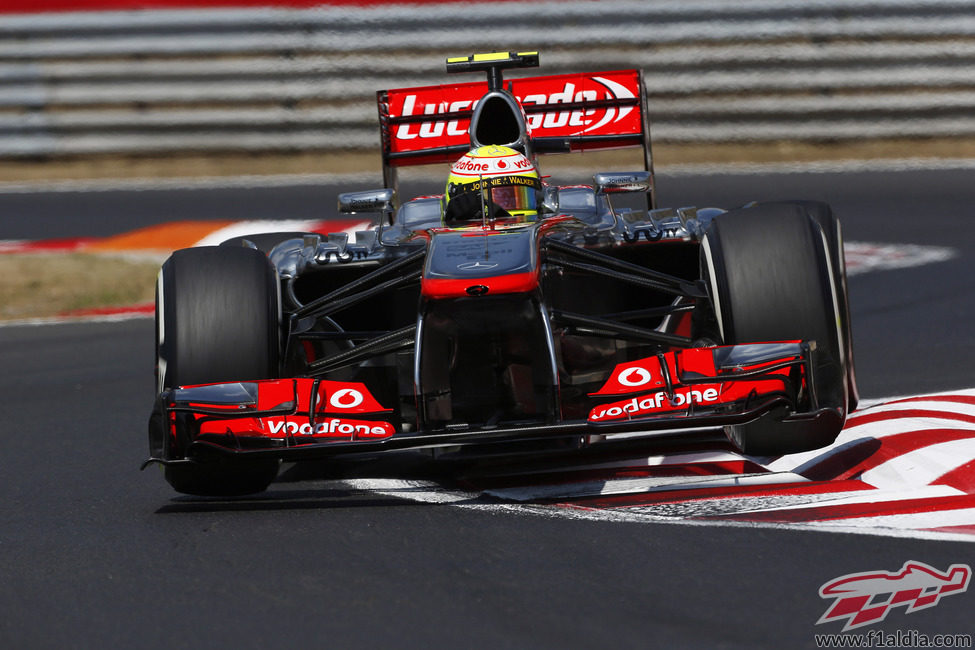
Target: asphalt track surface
x,y
95,553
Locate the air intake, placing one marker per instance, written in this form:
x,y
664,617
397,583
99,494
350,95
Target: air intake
x,y
499,120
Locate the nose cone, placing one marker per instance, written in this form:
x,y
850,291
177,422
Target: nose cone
x,y
482,262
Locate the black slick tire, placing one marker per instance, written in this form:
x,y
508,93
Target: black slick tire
x,y
770,277
217,320
823,214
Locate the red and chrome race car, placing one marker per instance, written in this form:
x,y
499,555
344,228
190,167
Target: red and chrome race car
x,y
507,313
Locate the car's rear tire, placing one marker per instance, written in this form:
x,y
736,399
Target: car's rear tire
x,y
217,319
770,278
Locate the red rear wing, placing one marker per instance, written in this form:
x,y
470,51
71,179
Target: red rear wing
x,y
587,111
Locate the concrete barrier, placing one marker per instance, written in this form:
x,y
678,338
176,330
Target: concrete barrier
x,y
304,79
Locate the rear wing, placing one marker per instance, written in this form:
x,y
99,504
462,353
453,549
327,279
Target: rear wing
x,y
562,113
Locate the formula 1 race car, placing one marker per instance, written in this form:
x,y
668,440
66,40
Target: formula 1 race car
x,y
508,313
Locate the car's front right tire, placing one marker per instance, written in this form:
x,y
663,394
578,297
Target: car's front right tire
x,y
217,320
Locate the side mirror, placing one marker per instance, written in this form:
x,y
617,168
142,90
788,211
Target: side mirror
x,y
368,201
550,199
623,182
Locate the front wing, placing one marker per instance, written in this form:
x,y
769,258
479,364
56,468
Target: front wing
x,y
306,418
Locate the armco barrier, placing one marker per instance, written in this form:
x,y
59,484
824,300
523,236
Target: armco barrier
x,y
304,79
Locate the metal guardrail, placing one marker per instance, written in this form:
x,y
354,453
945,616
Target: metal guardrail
x,y
280,80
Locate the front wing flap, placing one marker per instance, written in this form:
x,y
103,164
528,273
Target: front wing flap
x,y
306,418
702,381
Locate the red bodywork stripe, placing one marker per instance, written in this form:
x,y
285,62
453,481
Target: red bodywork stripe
x,y
515,283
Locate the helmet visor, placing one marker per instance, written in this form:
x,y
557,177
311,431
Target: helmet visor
x,y
502,195
513,197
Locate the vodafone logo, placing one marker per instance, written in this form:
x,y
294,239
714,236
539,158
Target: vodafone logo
x,y
471,166
658,402
635,377
331,428
346,398
490,162
645,374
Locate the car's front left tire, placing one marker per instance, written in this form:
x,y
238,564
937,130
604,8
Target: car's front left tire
x,y
770,277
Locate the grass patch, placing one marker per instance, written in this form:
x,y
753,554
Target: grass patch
x,y
50,284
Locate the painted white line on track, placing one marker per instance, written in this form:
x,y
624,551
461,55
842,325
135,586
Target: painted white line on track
x,y
77,320
863,257
733,505
642,485
842,526
856,497
422,491
914,520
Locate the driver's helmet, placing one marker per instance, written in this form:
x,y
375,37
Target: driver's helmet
x,y
495,182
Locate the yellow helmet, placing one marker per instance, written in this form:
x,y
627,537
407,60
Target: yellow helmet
x,y
495,182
